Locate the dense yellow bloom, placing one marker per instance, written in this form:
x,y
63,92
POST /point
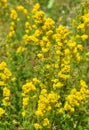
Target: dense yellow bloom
x,y
39,17
76,98
48,24
71,44
53,97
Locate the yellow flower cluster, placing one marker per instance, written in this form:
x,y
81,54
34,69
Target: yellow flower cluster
x,y
38,14
6,95
45,123
48,25
13,14
26,93
75,50
5,73
28,87
14,19
77,97
46,103
5,76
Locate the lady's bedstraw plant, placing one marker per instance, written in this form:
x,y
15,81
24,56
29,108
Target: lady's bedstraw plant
x,y
44,75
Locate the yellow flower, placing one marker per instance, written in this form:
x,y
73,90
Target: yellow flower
x,y
2,111
35,80
46,122
6,92
36,7
20,49
7,73
39,113
12,28
37,126
39,17
83,83
81,26
48,25
13,79
67,107
57,85
45,50
39,55
13,14
2,83
23,113
20,7
28,87
3,65
43,91
71,44
80,47
6,101
87,54
25,101
60,111
27,24
53,97
84,37
10,34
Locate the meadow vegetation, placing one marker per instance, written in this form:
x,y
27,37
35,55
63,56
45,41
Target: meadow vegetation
x,y
44,65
